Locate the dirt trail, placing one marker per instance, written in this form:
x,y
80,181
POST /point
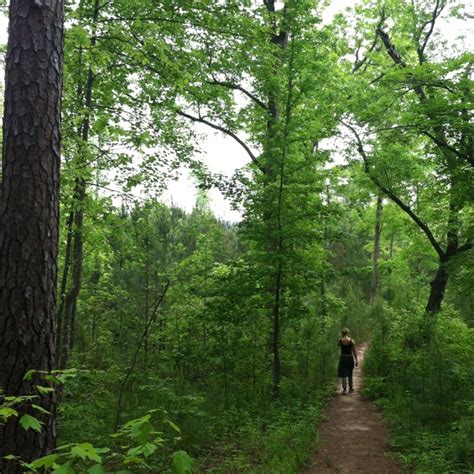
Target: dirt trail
x,y
353,436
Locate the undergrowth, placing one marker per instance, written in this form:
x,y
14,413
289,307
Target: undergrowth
x,y
282,442
419,371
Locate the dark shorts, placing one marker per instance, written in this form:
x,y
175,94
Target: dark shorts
x,y
346,365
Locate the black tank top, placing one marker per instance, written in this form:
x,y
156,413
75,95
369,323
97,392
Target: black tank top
x,y
346,349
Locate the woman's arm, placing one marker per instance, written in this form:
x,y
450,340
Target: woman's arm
x,y
354,351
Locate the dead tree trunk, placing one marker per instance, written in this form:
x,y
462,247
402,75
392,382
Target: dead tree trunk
x,y
29,216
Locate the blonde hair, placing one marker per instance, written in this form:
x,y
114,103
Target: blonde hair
x,y
344,331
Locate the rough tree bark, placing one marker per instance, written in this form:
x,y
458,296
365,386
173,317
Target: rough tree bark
x,y
29,214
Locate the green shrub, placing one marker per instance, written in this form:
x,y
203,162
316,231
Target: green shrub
x,y
419,369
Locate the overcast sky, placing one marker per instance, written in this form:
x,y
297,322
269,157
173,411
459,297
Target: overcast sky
x,y
222,154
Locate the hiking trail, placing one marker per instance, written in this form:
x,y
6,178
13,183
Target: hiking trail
x,y
352,436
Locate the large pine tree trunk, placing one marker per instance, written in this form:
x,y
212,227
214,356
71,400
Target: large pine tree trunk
x,y
29,213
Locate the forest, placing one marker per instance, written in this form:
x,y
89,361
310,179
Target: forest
x,y
139,336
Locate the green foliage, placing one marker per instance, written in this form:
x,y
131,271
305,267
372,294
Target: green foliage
x,y
182,463
29,422
280,442
420,372
138,447
298,266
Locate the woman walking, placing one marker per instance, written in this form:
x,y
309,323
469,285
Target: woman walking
x,y
346,360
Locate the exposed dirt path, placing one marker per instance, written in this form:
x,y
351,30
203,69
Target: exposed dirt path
x,y
353,436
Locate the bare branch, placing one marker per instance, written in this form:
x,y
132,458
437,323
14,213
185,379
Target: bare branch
x,y
397,59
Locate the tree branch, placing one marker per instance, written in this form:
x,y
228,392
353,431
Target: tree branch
x,y
225,131
270,4
238,87
397,58
360,62
390,47
439,136
465,247
392,196
436,13
443,144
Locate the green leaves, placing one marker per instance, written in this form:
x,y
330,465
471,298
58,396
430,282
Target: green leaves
x,y
30,422
182,463
44,390
96,469
29,374
65,468
6,412
86,451
145,449
139,429
45,462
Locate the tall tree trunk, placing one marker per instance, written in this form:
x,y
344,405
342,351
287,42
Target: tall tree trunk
x,y
389,293
64,280
322,283
70,305
162,322
276,332
440,281
29,216
374,285
438,287
147,295
276,176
